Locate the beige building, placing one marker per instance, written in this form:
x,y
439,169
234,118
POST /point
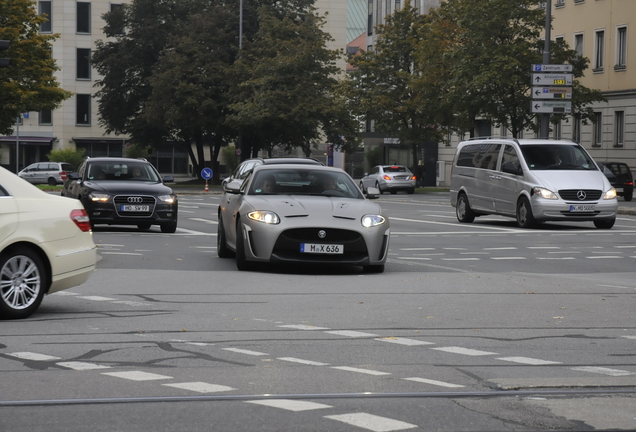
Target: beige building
x,y
76,124
603,31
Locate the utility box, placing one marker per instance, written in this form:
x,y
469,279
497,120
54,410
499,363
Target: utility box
x,y
441,173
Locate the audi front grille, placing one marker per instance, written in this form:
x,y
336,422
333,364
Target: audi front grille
x,y
135,200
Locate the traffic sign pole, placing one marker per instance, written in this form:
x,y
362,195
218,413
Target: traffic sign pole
x,y
544,131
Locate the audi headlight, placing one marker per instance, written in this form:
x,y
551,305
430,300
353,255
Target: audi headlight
x,y
99,197
264,216
168,199
544,193
610,194
369,221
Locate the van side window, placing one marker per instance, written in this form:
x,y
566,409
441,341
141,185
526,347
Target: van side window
x,y
510,155
479,156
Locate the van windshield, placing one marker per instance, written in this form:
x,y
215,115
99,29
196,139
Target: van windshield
x,y
557,157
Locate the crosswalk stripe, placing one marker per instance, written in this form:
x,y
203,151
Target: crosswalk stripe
x,y
372,422
290,405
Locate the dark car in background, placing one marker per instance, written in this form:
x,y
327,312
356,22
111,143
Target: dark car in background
x,y
620,176
51,173
121,191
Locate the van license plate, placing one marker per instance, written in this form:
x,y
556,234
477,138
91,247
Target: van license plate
x,y
582,208
321,248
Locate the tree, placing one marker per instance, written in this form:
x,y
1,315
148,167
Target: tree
x,y
492,45
399,83
28,84
285,88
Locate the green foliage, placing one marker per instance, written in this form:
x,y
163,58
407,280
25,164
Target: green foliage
x,y
230,158
28,84
72,156
374,157
137,151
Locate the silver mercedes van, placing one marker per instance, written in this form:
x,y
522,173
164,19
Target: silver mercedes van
x,y
532,180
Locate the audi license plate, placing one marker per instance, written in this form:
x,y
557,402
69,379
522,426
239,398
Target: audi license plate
x,y
135,208
321,248
582,208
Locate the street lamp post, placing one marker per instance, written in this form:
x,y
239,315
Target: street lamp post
x,y
545,118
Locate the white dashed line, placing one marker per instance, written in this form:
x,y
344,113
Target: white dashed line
x,y
460,259
604,371
629,337
433,382
527,360
121,253
465,351
207,221
364,371
351,333
500,248
200,387
603,257
372,422
303,327
33,356
404,341
96,298
555,258
290,405
131,303
307,362
243,351
137,375
65,293
82,366
507,258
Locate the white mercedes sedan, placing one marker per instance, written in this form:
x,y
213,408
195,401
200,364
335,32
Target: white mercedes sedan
x,y
46,245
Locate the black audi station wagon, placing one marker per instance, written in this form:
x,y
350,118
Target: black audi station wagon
x,y
121,191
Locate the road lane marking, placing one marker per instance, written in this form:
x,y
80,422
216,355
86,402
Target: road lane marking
x,y
464,351
372,422
351,333
507,258
404,341
307,362
34,356
433,382
460,259
137,375
629,337
415,258
555,258
303,327
200,387
604,371
358,370
96,298
290,405
120,253
207,221
244,351
603,257
528,360
501,248
82,366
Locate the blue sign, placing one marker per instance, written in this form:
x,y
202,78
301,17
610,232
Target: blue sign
x,y
206,173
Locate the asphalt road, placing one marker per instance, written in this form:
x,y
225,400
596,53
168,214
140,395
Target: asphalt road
x,y
472,327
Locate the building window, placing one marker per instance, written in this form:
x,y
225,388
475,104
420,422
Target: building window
x,y
117,8
83,109
579,1
556,130
597,132
46,117
378,12
619,128
44,8
578,44
370,19
83,63
576,129
599,51
398,5
621,48
559,3
83,17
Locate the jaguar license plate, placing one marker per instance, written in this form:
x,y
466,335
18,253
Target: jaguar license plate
x,y
318,248
581,208
135,208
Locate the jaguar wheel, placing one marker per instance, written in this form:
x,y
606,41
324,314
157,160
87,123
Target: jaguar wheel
x,y
241,262
221,244
23,281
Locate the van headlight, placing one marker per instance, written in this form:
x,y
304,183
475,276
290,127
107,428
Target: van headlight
x,y
544,193
610,194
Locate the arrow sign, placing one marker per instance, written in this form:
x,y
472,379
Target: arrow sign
x,y
551,68
551,92
551,107
552,79
206,173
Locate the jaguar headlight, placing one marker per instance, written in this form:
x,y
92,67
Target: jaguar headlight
x,y
369,221
168,199
610,194
544,193
100,197
264,216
